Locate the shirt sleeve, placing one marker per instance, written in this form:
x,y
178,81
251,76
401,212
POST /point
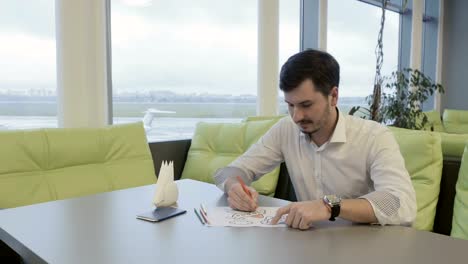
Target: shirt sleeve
x,y
394,198
261,158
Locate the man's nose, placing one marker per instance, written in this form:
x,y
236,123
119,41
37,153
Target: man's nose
x,y
297,115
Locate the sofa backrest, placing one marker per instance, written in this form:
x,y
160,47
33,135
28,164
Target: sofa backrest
x,y
453,145
422,153
50,164
434,122
263,118
456,121
216,145
460,208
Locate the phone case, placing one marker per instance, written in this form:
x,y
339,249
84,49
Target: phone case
x,y
160,214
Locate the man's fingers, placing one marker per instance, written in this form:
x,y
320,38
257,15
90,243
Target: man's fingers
x,y
297,220
239,191
303,225
240,202
250,201
283,210
236,205
233,201
290,218
254,197
231,204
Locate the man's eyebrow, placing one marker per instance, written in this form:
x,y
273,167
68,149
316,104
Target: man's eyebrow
x,y
301,103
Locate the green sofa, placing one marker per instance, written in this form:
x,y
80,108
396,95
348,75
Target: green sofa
x,y
51,164
455,121
216,145
453,130
433,175
460,210
178,150
434,122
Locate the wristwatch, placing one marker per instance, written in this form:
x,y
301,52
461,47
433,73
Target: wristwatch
x,y
334,203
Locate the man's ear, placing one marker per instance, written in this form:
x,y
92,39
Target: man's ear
x,y
334,96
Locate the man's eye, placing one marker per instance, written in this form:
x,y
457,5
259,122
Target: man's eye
x,y
306,105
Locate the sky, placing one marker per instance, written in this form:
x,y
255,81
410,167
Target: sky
x,y
191,47
27,44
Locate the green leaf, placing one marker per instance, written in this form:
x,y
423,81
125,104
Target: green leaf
x,y
401,97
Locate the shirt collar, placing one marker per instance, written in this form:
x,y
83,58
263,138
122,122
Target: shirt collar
x,y
339,134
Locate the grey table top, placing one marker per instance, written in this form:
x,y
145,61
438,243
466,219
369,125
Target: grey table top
x,y
103,229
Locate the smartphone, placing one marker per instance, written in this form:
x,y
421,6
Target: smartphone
x,y
160,214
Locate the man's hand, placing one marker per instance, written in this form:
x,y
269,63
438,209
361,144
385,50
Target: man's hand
x,y
238,199
302,214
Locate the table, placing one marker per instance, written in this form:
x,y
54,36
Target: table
x,y
102,228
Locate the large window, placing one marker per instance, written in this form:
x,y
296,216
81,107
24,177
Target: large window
x,y
27,64
353,28
178,63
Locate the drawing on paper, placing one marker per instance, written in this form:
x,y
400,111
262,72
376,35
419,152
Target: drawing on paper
x,y
245,218
225,216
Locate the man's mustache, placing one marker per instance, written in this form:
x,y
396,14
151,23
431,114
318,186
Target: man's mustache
x,y
305,121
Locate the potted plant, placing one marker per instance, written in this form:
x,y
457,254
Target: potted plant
x,y
401,98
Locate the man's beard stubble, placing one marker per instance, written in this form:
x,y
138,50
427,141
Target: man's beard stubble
x,y
322,122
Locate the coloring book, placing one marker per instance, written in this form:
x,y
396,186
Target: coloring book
x,y
226,216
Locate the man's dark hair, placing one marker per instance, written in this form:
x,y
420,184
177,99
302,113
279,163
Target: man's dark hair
x,y
318,66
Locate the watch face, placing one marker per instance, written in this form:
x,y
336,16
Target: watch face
x,y
333,199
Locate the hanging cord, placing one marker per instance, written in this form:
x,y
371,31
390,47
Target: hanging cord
x,y
377,93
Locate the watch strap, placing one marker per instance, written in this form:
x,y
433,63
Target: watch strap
x,y
335,212
333,207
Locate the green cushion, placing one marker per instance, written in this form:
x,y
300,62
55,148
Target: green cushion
x,y
423,160
261,118
434,122
453,145
50,164
456,121
216,145
460,208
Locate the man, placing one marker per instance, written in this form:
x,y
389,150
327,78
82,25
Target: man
x,y
340,165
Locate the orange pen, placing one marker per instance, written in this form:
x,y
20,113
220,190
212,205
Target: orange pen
x,y
244,187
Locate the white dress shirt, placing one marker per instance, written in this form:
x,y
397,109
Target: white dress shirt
x,y
361,160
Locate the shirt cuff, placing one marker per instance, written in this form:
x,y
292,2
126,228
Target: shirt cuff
x,y
385,206
221,176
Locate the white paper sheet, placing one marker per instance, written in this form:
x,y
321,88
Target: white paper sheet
x,y
225,216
